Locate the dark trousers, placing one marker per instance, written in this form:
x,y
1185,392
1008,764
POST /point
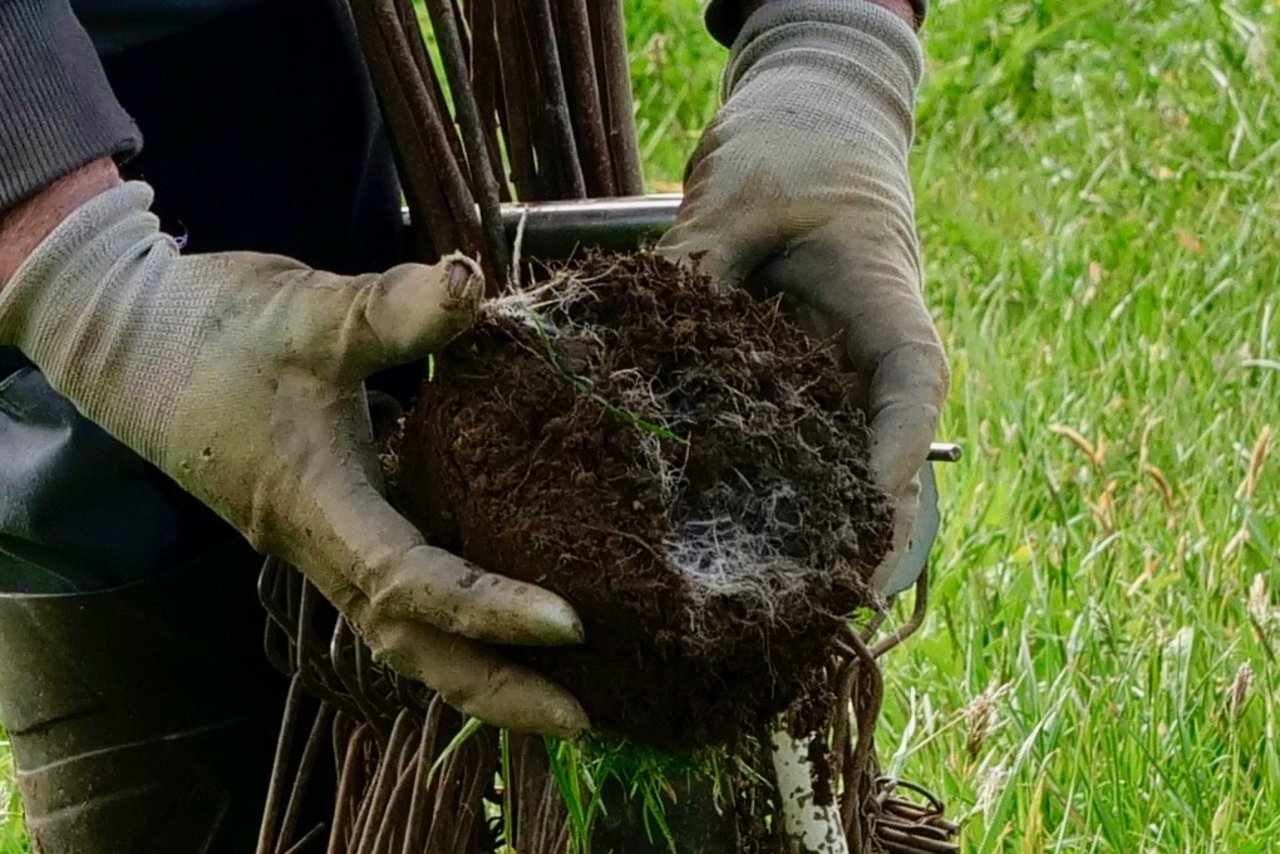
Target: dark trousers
x,y
139,706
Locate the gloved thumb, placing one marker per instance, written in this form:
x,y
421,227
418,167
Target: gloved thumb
x,y
408,312
347,328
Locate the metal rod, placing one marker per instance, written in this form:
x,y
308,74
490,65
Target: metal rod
x,y
556,229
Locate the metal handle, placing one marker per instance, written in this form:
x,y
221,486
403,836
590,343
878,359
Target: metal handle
x,y
556,229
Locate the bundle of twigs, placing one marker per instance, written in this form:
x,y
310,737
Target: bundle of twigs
x,y
368,762
534,103
512,71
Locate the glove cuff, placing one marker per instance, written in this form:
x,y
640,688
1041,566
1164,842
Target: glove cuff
x,y
841,72
94,308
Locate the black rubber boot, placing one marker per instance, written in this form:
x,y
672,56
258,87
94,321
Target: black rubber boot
x,y
144,718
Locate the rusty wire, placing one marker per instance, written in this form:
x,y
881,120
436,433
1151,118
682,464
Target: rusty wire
x,y
385,735
874,817
913,623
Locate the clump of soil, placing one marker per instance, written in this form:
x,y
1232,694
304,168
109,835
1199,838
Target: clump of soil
x,y
681,463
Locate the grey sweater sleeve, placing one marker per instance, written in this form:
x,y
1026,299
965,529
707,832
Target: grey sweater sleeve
x,y
57,111
726,17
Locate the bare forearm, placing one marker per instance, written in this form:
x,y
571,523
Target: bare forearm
x,y
23,226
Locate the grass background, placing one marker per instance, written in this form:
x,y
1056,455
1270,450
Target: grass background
x,y
1100,213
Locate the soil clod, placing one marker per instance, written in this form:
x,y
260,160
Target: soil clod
x,y
681,463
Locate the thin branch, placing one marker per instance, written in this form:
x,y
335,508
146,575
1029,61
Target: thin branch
x,y
610,35
445,23
556,103
588,114
427,203
517,81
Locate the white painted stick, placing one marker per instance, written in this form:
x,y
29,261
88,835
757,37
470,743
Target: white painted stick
x,y
812,829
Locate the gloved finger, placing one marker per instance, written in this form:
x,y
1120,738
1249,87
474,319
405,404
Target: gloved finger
x,y
350,327
906,506
431,585
366,545
409,312
478,681
879,317
364,556
405,579
905,397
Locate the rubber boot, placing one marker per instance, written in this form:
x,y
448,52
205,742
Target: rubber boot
x,y
143,719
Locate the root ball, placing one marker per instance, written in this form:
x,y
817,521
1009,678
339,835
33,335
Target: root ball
x,y
681,463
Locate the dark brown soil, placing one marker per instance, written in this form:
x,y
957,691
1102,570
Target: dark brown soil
x,y
682,464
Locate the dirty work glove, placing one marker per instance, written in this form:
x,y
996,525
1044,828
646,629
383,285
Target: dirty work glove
x,y
800,187
239,375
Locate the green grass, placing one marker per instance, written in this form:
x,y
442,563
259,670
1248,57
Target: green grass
x,y
12,836
1100,215
1098,203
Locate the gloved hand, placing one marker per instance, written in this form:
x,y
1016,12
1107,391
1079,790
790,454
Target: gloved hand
x,y
239,375
800,187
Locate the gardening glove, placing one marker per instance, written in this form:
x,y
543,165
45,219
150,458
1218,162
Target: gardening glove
x,y
240,376
800,187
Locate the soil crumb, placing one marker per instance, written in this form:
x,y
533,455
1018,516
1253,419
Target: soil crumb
x,y
680,462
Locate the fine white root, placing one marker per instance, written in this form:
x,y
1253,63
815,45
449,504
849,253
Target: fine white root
x,y
737,542
742,538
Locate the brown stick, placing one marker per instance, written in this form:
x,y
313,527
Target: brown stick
x,y
516,85
588,114
542,38
427,204
275,790
412,31
401,768
609,30
373,812
307,838
497,255
418,798
485,76
310,753
351,784
432,123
